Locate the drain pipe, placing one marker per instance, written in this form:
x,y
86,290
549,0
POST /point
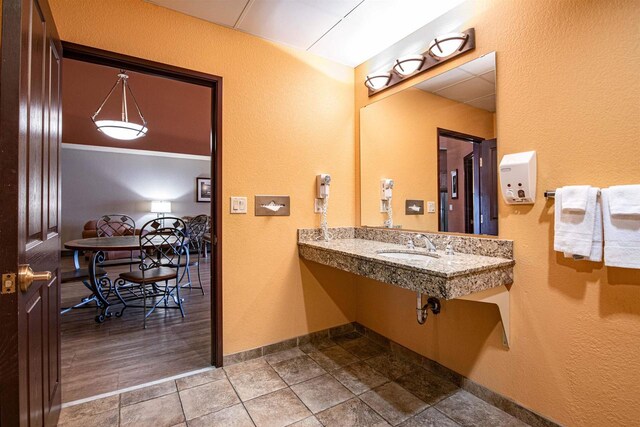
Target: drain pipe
x,y
423,310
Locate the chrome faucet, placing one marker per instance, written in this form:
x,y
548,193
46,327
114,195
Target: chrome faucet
x,y
427,242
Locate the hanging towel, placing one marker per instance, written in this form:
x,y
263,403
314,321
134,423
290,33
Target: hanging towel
x,y
624,199
574,230
596,245
574,197
621,236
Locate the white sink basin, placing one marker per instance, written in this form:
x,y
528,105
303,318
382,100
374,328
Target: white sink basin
x,y
408,255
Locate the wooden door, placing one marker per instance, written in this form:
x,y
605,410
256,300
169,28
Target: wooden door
x,y
30,131
488,186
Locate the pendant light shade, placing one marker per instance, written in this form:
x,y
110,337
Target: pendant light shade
x,y
408,65
121,129
446,45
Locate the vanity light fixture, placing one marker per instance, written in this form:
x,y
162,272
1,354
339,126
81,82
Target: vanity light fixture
x,y
441,49
377,81
408,65
446,45
121,129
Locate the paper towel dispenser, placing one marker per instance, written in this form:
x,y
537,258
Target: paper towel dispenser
x,y
518,178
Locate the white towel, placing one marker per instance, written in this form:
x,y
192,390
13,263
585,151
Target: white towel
x,y
621,236
574,231
574,197
596,245
624,199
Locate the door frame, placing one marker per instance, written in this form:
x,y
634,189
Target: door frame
x,y
457,135
469,164
140,65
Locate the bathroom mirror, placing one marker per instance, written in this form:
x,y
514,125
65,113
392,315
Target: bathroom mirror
x,y
436,141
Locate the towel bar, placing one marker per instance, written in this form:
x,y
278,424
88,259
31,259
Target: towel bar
x,y
551,194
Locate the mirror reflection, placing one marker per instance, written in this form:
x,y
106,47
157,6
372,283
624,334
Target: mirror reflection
x,y
429,154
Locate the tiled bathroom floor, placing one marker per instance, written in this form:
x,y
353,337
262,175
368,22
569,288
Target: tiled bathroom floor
x,y
347,381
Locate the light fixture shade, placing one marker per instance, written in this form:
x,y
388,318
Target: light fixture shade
x,y
121,129
160,206
377,81
408,65
117,129
446,45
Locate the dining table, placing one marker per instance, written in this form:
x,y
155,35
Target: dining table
x,y
100,285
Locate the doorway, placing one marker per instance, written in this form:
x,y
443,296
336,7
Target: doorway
x,y
211,268
467,178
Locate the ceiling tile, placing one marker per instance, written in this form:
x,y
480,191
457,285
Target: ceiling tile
x,y
375,25
294,23
467,90
485,103
481,65
223,12
443,80
489,76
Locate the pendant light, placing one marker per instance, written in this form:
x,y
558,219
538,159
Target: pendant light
x,y
121,129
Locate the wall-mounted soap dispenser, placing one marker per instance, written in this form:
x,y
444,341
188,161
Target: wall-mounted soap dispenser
x,y
518,178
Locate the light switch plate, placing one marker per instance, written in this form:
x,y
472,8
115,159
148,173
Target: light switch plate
x,y
431,207
238,205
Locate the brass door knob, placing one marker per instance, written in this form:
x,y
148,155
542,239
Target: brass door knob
x,y
26,277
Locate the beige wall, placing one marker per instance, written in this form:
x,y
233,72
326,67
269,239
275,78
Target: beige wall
x,y
287,116
568,87
399,140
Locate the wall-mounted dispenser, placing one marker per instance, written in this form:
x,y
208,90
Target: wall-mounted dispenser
x,y
518,178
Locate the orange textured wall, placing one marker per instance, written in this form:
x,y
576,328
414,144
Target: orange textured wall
x,y
568,87
287,116
399,140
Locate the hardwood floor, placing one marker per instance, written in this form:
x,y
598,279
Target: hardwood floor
x,y
119,353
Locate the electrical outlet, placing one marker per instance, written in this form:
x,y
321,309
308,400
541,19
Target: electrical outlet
x,y
238,205
317,206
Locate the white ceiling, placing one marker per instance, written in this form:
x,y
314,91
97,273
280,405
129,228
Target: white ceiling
x,y
345,31
473,83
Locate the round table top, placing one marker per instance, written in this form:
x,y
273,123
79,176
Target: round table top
x,y
115,243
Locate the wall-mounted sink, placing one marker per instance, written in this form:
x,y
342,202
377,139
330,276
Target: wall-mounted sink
x,y
408,255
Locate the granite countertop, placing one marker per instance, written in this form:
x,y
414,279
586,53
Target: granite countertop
x,y
478,263
446,266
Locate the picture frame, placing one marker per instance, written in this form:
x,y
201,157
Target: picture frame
x,y
454,184
203,190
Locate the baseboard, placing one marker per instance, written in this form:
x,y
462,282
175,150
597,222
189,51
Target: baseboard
x,y
499,401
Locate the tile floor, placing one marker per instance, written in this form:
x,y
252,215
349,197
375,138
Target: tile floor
x,y
347,381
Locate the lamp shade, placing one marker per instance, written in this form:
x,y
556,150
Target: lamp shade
x,y
377,81
447,44
158,206
117,129
408,65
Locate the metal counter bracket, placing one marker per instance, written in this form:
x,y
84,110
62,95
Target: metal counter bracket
x,y
500,297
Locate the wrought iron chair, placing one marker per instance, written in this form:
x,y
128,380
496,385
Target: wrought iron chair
x,y
162,251
196,228
117,225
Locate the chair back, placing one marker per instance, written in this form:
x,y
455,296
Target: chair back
x,y
197,226
162,243
115,225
